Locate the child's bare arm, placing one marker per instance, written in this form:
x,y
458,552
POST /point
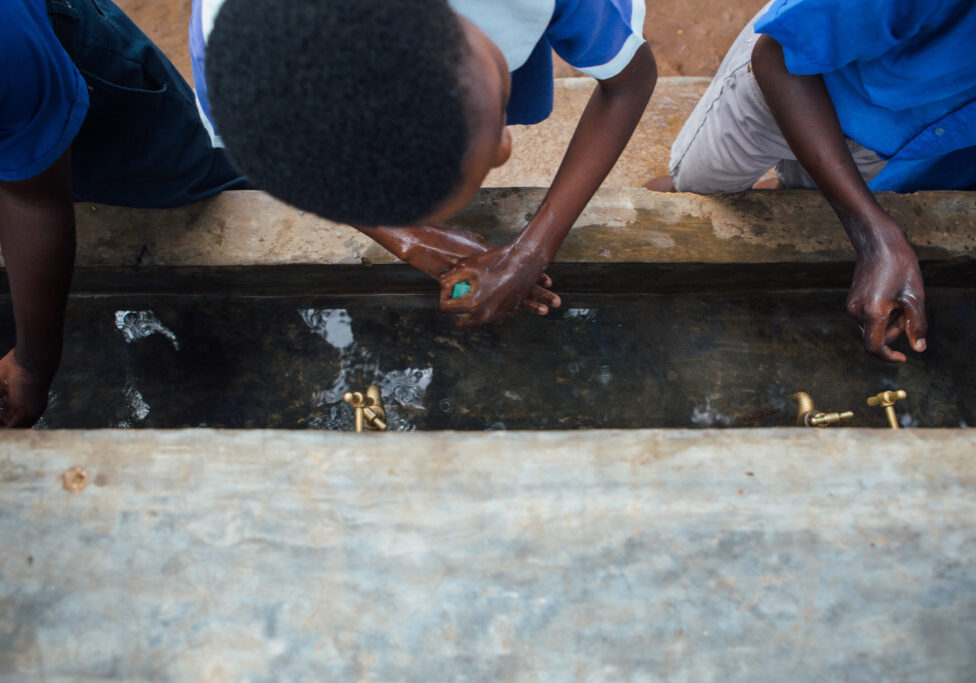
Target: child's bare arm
x,y
503,276
887,295
37,235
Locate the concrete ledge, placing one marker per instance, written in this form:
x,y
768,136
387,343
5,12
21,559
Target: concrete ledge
x,y
249,229
618,226
688,555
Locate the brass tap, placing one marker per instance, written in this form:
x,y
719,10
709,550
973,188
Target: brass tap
x,y
808,416
886,399
370,415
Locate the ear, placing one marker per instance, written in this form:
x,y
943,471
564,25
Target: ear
x,y
504,149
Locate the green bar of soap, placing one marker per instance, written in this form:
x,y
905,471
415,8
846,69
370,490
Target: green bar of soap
x,y
461,289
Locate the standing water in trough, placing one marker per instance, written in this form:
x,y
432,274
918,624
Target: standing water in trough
x,y
602,361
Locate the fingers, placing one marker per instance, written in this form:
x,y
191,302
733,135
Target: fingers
x,y
544,296
5,412
20,419
913,312
875,336
448,303
463,320
476,323
894,330
459,306
545,281
540,301
12,417
884,320
533,306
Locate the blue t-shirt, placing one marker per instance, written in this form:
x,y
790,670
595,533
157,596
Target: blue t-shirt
x,y
43,98
901,75
598,37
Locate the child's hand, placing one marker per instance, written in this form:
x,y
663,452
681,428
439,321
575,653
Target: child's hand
x,y
502,279
23,394
435,249
888,298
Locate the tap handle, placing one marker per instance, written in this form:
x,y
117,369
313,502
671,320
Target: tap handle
x,y
354,398
827,419
887,398
374,419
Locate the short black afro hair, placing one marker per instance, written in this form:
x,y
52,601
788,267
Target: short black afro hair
x,y
352,109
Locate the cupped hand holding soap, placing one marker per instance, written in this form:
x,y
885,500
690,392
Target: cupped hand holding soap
x,y
460,289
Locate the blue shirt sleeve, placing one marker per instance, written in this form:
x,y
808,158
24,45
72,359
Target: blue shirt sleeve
x,y
598,37
43,98
820,36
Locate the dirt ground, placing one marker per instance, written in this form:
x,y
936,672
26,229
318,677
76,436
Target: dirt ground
x,y
689,37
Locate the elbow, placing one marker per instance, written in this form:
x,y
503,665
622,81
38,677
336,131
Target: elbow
x,y
766,50
648,68
637,80
767,60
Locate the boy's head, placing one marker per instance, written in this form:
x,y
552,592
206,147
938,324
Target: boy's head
x,y
368,112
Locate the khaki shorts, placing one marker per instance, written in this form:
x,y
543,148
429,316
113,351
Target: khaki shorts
x,y
730,140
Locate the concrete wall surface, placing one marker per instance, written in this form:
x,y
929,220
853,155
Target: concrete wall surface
x,y
752,555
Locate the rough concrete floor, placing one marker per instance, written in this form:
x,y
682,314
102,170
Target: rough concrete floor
x,y
689,37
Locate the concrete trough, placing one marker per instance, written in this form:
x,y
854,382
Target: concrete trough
x,y
679,311
725,555
593,554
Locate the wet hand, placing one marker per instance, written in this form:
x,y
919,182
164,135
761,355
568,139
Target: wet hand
x,y
435,249
502,279
888,298
23,394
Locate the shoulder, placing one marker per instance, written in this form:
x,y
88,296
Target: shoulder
x,y
43,98
819,36
515,26
900,18
599,37
29,50
203,13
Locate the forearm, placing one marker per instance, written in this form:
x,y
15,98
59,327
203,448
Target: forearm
x,y
806,116
429,249
603,131
398,241
37,236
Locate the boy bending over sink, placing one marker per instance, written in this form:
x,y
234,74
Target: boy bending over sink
x,y
388,114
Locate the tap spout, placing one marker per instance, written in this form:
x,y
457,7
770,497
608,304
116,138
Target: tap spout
x,y
804,408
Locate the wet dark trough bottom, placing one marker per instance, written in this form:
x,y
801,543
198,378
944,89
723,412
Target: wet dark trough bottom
x,y
716,359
